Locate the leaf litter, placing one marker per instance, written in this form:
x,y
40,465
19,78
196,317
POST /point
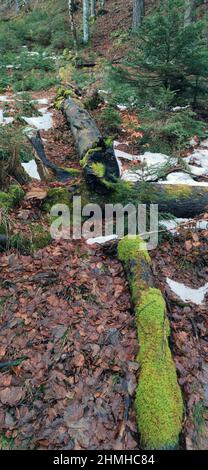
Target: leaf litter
x,y
67,310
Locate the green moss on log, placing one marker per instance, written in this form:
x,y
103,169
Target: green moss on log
x,y
90,152
98,169
131,248
72,171
178,191
159,404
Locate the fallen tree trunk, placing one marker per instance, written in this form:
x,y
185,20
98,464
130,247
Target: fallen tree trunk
x,y
97,158
102,172
158,404
180,200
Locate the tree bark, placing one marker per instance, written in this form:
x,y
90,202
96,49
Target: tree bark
x,y
93,8
189,14
180,200
72,23
90,144
86,28
138,12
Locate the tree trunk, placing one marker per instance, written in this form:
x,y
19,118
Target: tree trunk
x,y
101,167
17,6
98,159
138,12
86,29
72,23
93,8
189,14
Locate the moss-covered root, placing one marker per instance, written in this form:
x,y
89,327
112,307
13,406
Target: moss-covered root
x,y
159,404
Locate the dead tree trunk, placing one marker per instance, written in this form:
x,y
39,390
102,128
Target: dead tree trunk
x,y
98,159
102,172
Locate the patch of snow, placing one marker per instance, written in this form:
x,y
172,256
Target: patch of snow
x,y
4,99
130,176
179,177
42,110
103,91
121,107
8,120
182,178
179,108
44,122
32,53
40,101
172,224
116,143
197,170
5,120
188,294
199,157
101,240
156,159
204,143
31,169
125,155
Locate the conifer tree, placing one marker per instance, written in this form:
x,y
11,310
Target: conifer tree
x,y
167,55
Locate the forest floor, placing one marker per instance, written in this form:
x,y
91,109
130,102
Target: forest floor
x,y
67,319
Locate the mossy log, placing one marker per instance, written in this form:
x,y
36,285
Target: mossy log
x,y
159,404
97,158
180,200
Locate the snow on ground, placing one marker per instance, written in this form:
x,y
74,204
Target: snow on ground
x,y
5,99
188,294
173,224
40,101
44,122
121,107
31,169
101,240
197,164
5,120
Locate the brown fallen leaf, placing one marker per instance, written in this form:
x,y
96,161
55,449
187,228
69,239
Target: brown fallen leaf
x,y
11,396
